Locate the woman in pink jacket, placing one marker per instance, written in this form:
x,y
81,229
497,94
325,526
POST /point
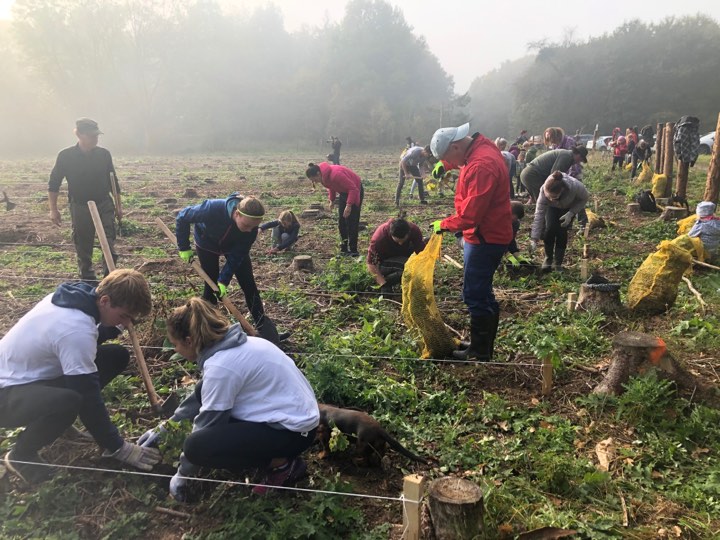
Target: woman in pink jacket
x,y
338,179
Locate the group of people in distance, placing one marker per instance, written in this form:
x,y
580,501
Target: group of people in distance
x,y
252,407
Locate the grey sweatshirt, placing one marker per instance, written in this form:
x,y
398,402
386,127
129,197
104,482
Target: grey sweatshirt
x,y
573,199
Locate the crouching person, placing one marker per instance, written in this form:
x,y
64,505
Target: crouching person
x,y
53,366
252,408
391,245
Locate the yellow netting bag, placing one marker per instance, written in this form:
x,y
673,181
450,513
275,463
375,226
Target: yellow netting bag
x,y
418,301
685,224
628,166
594,221
693,245
654,286
659,182
645,175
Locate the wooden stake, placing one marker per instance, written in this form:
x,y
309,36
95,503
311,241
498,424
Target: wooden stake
x,y
116,200
669,157
547,376
171,512
659,148
249,329
452,261
682,179
571,302
413,489
583,269
712,186
139,357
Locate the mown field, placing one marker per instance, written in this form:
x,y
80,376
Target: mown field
x,y
534,456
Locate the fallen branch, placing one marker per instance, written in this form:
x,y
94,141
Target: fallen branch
x,y
693,290
174,513
705,265
452,261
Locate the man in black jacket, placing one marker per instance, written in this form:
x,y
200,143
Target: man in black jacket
x,y
53,366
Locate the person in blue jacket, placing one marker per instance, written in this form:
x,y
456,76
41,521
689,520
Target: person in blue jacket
x,y
285,231
227,227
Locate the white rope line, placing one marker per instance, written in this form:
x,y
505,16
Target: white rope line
x,y
211,480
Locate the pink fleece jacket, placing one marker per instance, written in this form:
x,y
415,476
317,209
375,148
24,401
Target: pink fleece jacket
x,y
340,179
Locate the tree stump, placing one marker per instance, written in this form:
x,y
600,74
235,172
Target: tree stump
x,y
636,353
456,508
303,262
662,201
311,213
316,206
603,297
673,213
634,209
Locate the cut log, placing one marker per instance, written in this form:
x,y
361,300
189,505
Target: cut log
x,y
456,508
634,209
682,179
316,206
303,262
668,156
311,213
673,213
602,297
659,135
662,201
635,353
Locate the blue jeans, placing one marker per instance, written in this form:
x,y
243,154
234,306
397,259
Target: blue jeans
x,y
481,261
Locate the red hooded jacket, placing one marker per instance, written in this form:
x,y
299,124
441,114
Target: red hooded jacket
x,y
340,179
482,196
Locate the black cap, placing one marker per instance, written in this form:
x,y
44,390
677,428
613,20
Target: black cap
x,y
582,151
87,126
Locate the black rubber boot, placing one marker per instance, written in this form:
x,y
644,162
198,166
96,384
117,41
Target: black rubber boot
x,y
547,263
481,339
344,246
558,260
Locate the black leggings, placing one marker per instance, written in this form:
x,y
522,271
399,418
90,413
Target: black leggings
x,y
47,408
210,262
241,444
556,236
349,227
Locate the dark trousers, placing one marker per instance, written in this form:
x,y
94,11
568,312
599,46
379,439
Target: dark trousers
x,y
348,227
336,157
414,171
392,265
210,262
241,444
619,161
83,233
556,235
481,262
47,408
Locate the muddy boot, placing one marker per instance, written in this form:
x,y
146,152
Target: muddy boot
x,y
496,322
558,260
267,330
547,263
481,335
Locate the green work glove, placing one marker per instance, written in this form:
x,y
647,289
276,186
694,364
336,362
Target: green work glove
x,y
223,290
436,227
438,170
186,256
513,260
522,259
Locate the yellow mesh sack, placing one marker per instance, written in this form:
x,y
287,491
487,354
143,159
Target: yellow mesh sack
x,y
418,301
654,286
645,175
693,245
685,224
594,221
628,166
659,182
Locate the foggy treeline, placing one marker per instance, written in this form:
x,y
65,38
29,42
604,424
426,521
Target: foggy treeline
x,y
640,74
180,75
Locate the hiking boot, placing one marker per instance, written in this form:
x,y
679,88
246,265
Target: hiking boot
x,y
352,254
558,260
344,247
546,265
423,201
291,472
31,469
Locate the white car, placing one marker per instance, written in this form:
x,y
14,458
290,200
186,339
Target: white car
x,y
706,143
601,143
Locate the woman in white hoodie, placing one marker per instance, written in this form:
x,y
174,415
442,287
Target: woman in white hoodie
x,y
561,198
252,408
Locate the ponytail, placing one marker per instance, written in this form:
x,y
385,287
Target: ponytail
x,y
312,170
200,321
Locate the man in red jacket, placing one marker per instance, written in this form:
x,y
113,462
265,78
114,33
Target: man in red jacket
x,y
482,213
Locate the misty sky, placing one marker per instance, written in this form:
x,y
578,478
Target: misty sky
x,y
471,37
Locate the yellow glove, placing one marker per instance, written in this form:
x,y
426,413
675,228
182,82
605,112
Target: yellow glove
x,y
437,228
223,290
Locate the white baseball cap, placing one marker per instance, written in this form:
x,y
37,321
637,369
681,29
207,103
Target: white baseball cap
x,y
443,137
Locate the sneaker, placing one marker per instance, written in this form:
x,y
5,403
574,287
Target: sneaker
x,y
293,471
33,472
353,254
423,201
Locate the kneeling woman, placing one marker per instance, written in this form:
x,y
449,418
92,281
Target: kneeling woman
x,y
340,179
252,408
561,198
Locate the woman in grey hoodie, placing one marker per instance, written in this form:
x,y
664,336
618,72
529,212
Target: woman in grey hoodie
x,y
561,198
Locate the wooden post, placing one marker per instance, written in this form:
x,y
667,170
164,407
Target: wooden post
x,y
116,200
139,357
547,376
249,329
682,179
669,158
595,136
584,269
571,301
659,147
712,186
456,508
413,489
